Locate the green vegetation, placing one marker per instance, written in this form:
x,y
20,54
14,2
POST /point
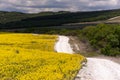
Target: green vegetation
x,y
22,20
103,37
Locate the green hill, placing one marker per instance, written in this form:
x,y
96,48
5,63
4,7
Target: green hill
x,y
23,20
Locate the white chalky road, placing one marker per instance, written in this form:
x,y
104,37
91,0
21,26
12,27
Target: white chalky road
x,y
95,69
99,69
63,45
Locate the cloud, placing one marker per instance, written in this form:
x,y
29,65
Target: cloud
x,y
34,6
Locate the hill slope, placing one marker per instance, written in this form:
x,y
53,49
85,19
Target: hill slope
x,y
20,20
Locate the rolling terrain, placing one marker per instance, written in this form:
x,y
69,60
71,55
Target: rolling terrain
x,y
29,55
15,20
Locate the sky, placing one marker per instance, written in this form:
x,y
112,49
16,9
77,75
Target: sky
x,y
35,6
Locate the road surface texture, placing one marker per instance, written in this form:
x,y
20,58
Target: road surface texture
x,y
63,45
99,69
95,69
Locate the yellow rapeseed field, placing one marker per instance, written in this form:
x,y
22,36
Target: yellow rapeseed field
x,y
32,57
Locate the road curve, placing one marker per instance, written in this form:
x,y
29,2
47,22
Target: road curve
x,y
95,69
63,46
99,69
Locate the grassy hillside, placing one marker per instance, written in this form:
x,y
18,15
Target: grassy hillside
x,y
32,57
6,17
21,20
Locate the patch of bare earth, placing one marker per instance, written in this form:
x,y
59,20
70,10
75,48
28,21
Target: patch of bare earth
x,y
84,48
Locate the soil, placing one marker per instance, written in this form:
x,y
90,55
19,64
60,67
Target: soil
x,y
85,49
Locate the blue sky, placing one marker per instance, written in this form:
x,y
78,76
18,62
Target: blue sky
x,y
34,6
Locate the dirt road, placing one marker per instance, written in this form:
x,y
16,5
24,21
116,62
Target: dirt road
x,y
99,69
63,45
95,69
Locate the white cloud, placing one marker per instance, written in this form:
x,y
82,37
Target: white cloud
x,y
57,5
